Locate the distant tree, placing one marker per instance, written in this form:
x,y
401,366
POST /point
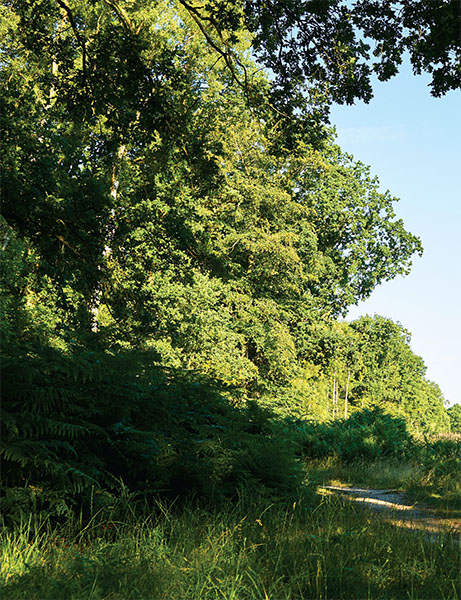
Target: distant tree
x,y
454,413
391,375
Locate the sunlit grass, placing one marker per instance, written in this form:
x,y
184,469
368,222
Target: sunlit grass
x,y
384,473
246,550
387,473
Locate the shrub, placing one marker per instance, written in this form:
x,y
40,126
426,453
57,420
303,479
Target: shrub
x,y
368,434
77,422
454,414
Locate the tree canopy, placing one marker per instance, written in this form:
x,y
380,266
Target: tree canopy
x,y
159,198
317,52
177,246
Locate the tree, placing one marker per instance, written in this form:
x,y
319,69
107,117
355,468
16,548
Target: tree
x,y
146,194
454,413
160,222
394,377
335,46
319,51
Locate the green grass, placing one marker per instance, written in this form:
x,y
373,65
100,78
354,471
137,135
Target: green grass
x,y
247,550
388,473
383,473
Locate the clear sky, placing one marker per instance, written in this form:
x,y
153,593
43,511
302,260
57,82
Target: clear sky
x,y
412,142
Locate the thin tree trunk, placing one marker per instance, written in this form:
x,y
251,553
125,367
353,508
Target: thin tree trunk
x,y
109,236
334,395
347,391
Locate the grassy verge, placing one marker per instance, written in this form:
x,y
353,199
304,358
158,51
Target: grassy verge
x,y
402,475
247,550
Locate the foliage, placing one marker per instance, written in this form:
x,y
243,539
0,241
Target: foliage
x,y
73,423
368,434
370,438
428,471
174,258
392,375
440,461
362,364
317,52
454,414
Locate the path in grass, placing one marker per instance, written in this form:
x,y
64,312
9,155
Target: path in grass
x,y
395,507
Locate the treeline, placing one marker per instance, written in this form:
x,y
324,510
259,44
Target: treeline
x,y
176,259
360,365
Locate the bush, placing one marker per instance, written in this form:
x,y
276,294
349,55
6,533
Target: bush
x,y
367,434
454,414
80,421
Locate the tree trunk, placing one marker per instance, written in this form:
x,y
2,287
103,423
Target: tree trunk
x,y
334,395
109,236
347,391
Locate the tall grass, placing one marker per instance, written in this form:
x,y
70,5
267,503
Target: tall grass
x,y
385,473
247,550
374,449
438,485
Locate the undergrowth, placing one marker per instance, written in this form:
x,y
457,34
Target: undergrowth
x,y
408,476
247,550
375,449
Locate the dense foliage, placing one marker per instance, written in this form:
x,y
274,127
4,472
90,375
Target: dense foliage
x,y
375,450
441,464
174,259
365,435
454,414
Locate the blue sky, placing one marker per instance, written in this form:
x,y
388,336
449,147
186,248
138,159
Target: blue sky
x,y
412,142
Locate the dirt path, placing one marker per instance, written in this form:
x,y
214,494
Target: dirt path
x,y
396,508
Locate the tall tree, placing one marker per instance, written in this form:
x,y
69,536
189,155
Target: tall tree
x,y
334,44
158,200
